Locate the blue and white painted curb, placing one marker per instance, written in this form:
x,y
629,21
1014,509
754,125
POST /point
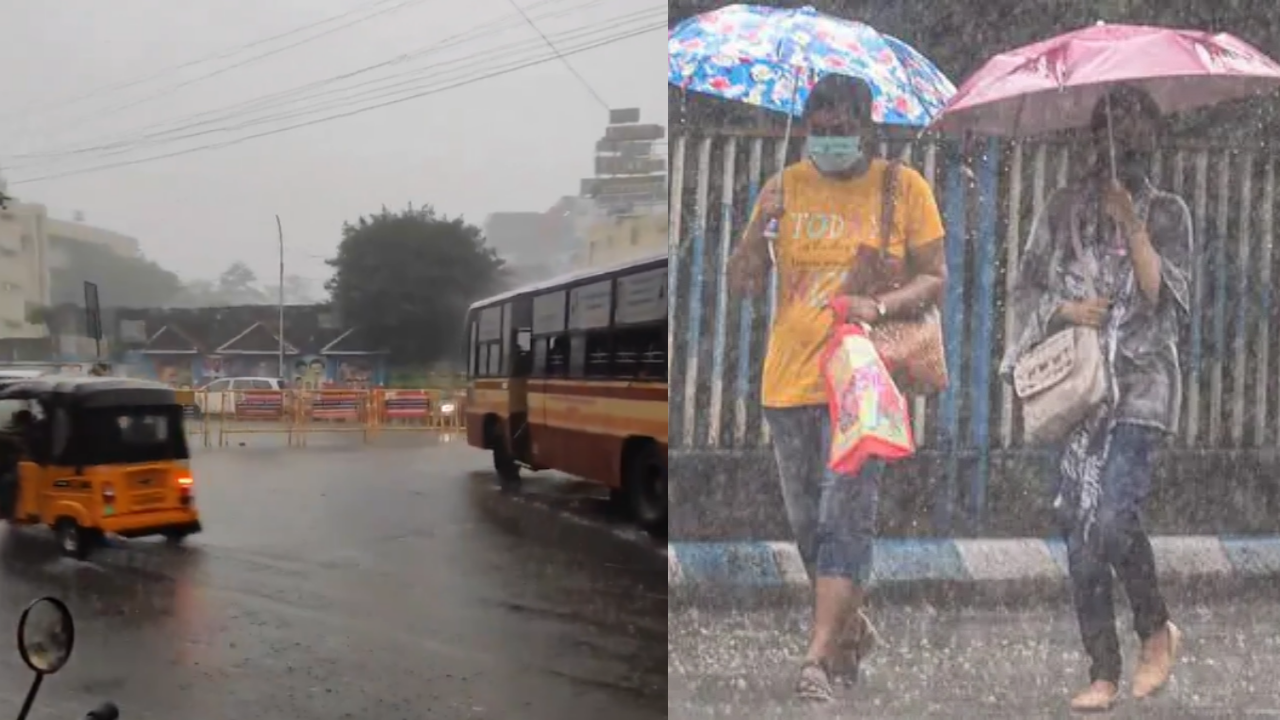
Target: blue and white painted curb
x,y
741,569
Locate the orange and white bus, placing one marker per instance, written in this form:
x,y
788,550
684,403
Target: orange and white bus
x,y
571,375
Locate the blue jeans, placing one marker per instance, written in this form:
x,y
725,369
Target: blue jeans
x,y
1117,542
833,516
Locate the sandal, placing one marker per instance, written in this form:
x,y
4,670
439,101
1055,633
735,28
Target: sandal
x,y
860,640
814,683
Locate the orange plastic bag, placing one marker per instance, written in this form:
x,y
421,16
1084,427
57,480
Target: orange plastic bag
x,y
869,414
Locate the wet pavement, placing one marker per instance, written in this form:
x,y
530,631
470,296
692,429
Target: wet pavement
x,y
970,664
340,581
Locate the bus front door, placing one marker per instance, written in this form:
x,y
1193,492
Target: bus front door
x,y
519,423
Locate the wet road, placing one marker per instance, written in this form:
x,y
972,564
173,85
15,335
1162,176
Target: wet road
x,y
970,665
346,582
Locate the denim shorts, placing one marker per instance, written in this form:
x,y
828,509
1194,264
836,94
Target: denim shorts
x,y
833,516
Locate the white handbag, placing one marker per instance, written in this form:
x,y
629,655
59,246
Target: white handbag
x,y
1061,381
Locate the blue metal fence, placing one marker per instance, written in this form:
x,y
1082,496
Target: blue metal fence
x,y
988,193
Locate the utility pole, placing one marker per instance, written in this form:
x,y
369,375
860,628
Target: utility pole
x,y
280,328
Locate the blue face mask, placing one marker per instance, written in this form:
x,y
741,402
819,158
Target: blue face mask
x,y
835,155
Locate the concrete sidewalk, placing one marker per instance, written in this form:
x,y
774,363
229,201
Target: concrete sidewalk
x,y
969,571
970,663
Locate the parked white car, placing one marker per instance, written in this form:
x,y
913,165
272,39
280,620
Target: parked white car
x,y
219,397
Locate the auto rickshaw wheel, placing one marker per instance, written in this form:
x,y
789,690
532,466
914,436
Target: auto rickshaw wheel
x,y
75,542
175,538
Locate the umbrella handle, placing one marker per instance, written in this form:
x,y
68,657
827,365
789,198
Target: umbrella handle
x,y
1111,138
786,136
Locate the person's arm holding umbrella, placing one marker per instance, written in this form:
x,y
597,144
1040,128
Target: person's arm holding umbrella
x,y
749,262
1159,248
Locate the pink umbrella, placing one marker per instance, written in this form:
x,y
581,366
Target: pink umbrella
x,y
1055,84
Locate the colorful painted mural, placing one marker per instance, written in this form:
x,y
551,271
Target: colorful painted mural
x,y
310,372
175,370
251,365
211,369
192,347
358,372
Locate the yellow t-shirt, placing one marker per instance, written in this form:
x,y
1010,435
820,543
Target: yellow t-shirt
x,y
826,222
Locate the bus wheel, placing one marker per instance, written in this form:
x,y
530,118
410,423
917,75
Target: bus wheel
x,y
647,486
619,503
504,463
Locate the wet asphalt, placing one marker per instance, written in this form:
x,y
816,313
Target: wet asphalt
x,y
343,581
970,664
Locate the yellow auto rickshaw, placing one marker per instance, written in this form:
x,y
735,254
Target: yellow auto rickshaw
x,y
96,456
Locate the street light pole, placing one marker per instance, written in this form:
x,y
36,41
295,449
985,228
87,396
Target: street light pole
x,y
280,327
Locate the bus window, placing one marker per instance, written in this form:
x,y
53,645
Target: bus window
x,y
488,338
577,356
641,352
495,361
473,357
558,357
522,356
599,353
540,357
653,364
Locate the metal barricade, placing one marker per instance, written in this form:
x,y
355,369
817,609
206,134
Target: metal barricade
x,y
418,410
252,412
193,418
333,411
216,418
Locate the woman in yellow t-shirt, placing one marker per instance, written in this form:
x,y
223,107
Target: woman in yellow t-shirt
x,y
827,242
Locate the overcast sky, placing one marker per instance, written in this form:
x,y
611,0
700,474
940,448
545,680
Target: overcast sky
x,y
513,142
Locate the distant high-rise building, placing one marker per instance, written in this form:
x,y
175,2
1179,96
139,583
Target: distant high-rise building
x,y
631,167
539,245
24,269
629,191
32,244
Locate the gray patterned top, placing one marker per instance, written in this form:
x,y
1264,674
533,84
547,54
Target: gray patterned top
x,y
1146,370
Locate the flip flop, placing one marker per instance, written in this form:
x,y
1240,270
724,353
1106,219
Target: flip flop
x,y
814,683
856,646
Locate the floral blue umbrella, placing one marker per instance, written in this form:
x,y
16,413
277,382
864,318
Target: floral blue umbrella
x,y
772,58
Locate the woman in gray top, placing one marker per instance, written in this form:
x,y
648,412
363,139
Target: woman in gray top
x,y
1133,284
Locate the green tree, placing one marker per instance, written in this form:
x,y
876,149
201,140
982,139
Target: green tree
x,y
407,278
122,281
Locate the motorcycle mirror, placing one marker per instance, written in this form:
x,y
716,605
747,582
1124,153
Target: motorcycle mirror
x,y
46,635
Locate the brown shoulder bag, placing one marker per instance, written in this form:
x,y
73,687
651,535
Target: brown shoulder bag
x,y
912,347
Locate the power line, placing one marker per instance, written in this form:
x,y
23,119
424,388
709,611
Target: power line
x,y
372,90
188,64
505,70
298,94
377,90
261,56
381,88
563,59
282,98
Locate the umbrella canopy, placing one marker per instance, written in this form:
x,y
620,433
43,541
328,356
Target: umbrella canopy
x,y
1055,84
772,58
